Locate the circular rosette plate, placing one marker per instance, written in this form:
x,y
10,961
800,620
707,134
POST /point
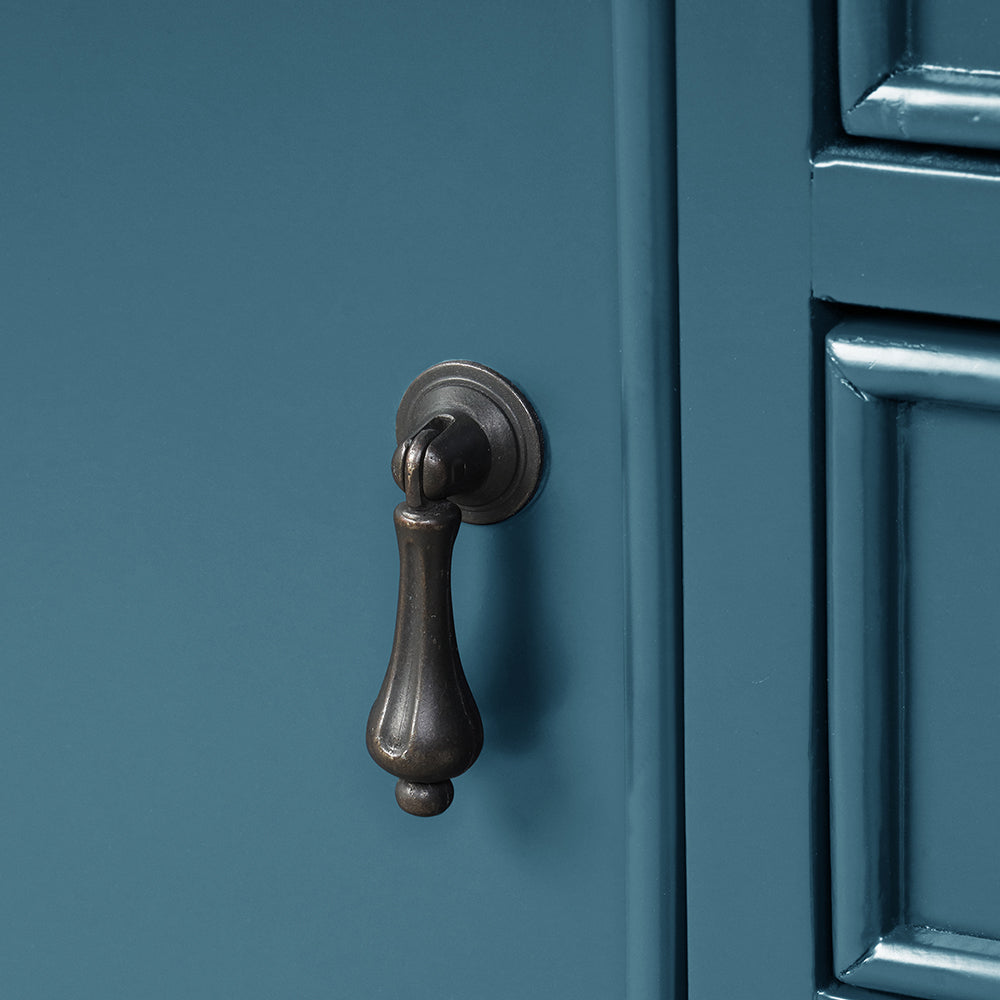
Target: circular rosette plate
x,y
509,421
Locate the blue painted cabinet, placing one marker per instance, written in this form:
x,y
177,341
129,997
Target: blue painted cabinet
x,y
840,328
743,262
232,235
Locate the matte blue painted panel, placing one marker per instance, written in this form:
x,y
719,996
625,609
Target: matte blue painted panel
x,y
751,659
956,33
953,647
231,236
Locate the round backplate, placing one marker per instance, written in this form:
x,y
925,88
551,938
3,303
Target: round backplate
x,y
507,418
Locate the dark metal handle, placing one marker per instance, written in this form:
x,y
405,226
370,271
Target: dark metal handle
x,y
472,437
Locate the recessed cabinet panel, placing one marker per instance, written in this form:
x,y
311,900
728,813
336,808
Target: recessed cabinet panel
x,y
921,71
951,481
957,33
913,457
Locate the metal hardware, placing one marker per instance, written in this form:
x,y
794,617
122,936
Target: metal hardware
x,y
470,448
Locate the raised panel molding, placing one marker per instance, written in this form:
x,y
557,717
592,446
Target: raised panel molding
x,y
880,377
891,87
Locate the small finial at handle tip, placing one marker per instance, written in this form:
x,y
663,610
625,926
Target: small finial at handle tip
x,y
420,799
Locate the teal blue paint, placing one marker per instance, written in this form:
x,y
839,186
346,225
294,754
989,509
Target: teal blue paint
x,y
231,236
871,44
911,422
931,105
963,33
953,689
920,72
938,225
748,445
864,621
912,229
643,42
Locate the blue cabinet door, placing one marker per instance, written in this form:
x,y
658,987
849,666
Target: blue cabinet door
x,y
232,234
840,328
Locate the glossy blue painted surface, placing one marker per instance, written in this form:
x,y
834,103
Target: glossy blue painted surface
x,y
762,281
231,237
938,225
912,427
920,71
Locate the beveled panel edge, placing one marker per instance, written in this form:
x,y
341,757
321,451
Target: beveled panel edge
x,y
841,991
932,964
898,359
862,589
871,42
930,104
884,95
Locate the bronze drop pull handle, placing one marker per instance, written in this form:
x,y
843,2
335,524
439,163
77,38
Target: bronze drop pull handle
x,y
470,449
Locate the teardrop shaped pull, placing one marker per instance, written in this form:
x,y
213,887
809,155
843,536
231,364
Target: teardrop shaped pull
x,y
425,727
466,433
